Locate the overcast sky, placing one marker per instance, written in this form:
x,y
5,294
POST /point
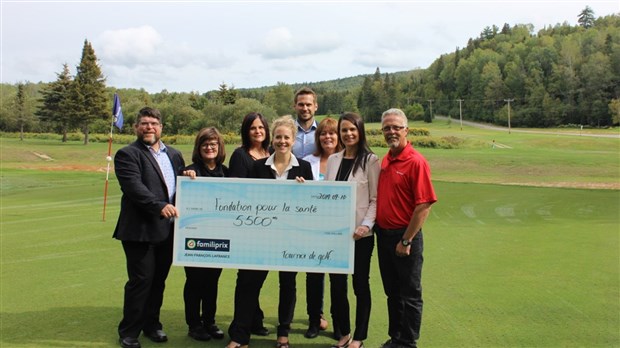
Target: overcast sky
x,y
188,46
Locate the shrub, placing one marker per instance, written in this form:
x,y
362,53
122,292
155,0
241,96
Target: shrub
x,y
419,137
412,131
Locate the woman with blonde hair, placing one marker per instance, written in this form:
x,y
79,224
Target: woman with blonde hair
x,y
281,165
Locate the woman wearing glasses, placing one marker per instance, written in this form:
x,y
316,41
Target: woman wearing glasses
x,y
356,163
200,291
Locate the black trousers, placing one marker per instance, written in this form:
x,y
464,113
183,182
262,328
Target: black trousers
x,y
315,285
361,288
200,295
148,265
402,283
247,292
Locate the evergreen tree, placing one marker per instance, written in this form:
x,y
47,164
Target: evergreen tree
x,y
506,29
377,75
487,33
586,17
20,109
333,103
197,101
391,92
614,110
364,99
54,103
375,99
227,95
88,97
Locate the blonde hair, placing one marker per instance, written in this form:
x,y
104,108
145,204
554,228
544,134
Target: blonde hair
x,y
328,124
286,121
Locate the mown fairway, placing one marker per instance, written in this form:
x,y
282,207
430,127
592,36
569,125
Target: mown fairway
x,y
505,265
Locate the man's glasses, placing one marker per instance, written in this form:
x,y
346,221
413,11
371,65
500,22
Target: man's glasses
x,y
392,128
146,124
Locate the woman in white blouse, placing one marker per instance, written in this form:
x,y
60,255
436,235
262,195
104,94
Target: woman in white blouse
x,y
326,140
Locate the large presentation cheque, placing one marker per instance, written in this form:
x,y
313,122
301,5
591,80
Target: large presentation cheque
x,y
265,224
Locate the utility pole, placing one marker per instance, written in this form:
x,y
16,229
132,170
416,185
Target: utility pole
x,y
508,101
461,111
431,103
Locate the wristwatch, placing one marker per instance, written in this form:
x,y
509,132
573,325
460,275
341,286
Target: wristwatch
x,y
405,242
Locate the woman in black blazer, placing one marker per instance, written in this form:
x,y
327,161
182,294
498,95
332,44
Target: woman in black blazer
x,y
281,165
255,140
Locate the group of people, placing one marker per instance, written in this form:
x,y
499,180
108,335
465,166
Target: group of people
x,y
393,199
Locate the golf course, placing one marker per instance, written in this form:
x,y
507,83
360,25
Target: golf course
x,y
522,248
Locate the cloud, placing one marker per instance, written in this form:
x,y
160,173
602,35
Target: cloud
x,y
386,59
130,47
134,47
391,50
280,43
141,56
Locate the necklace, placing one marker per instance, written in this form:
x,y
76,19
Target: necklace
x,y
258,154
349,166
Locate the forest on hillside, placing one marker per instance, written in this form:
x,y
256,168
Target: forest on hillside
x,y
560,75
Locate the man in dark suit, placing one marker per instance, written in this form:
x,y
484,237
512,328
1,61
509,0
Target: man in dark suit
x,y
146,171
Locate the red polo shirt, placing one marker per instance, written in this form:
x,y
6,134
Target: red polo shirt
x,y
404,182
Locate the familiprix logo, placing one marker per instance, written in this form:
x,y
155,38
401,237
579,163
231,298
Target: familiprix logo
x,y
207,244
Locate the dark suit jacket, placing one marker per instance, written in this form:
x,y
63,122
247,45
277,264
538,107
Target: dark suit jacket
x,y
262,171
144,193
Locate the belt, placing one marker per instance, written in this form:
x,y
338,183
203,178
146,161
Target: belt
x,y
390,232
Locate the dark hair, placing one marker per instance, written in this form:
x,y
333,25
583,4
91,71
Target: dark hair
x,y
326,125
148,112
205,134
302,91
246,143
363,150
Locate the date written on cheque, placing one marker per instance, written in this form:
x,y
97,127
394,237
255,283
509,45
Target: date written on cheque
x,y
329,196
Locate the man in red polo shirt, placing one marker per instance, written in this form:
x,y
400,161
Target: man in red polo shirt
x,y
404,198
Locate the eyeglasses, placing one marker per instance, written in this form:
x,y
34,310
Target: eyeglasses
x,y
393,128
210,145
146,124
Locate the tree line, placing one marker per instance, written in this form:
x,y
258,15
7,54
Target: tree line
x,y
560,75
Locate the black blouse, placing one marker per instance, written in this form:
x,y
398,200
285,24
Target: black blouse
x,y
345,169
240,163
202,170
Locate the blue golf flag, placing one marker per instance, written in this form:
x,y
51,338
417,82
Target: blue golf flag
x,y
117,111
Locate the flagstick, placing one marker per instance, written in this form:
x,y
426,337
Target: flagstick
x,y
107,174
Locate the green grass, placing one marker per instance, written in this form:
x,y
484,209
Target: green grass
x,y
505,265
525,158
